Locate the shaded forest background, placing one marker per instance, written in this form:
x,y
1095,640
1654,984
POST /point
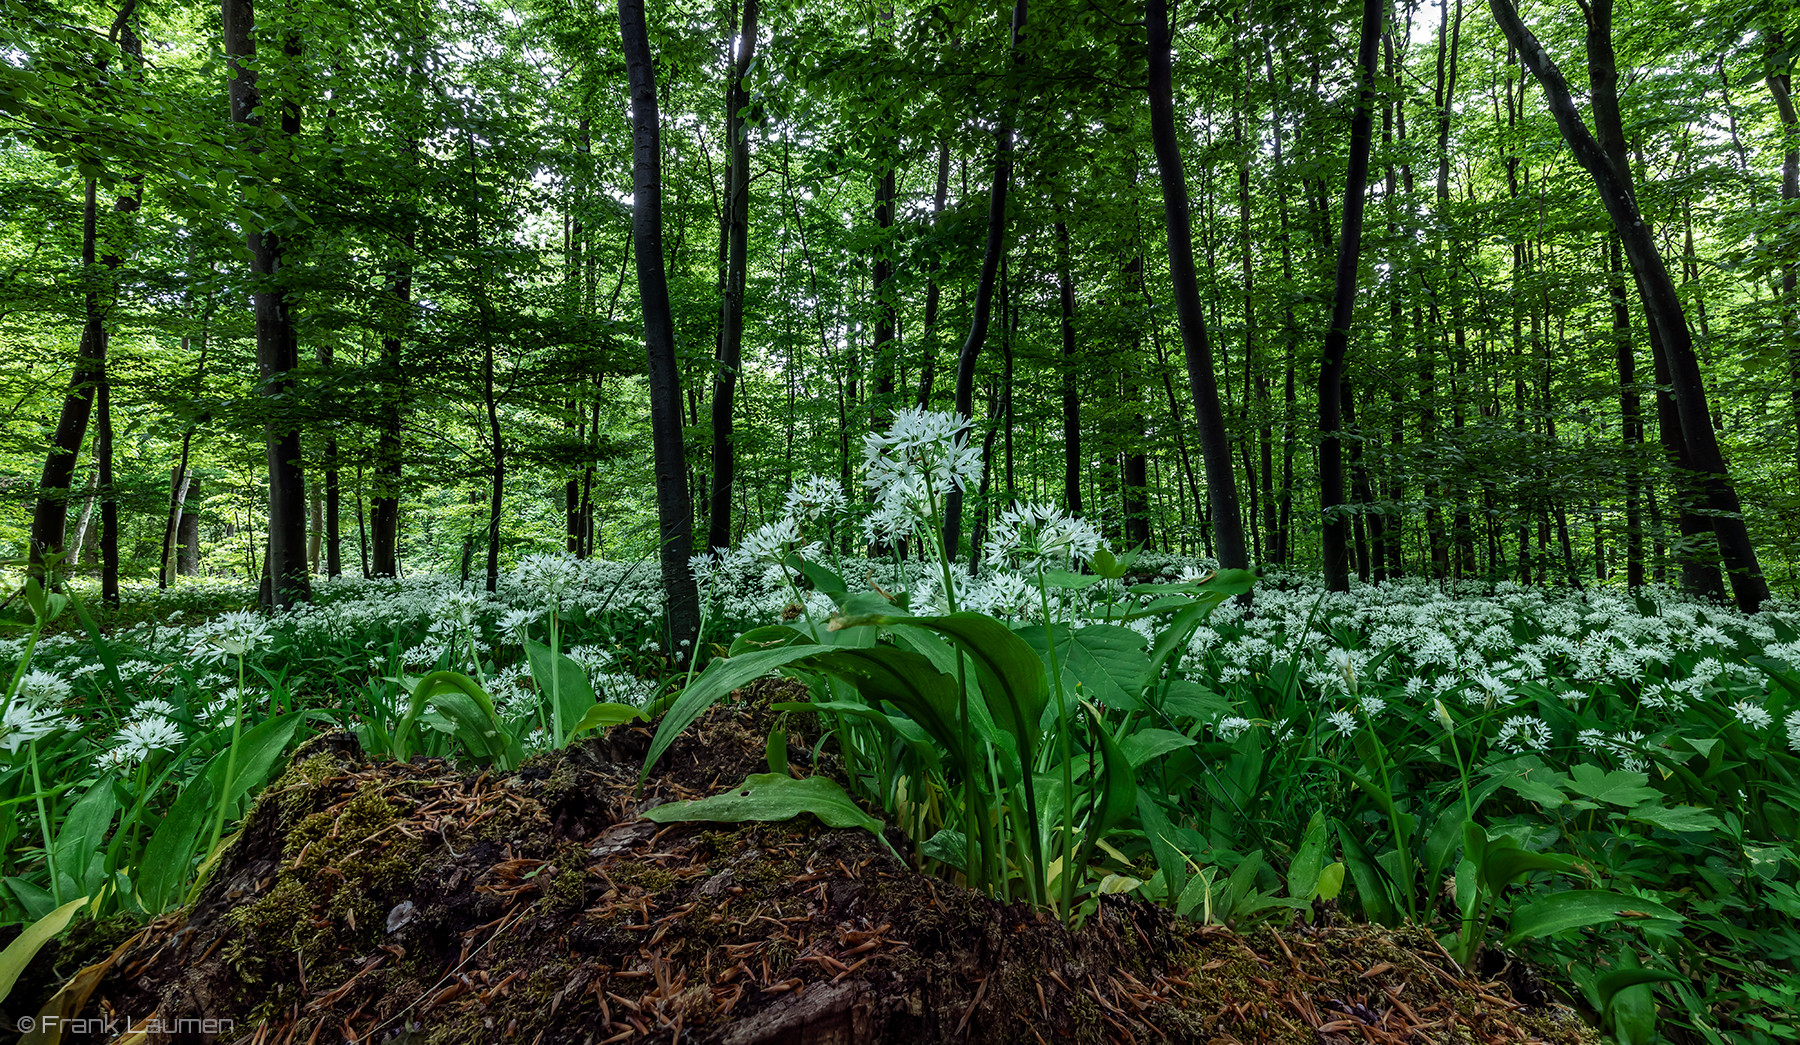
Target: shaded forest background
x,y
387,271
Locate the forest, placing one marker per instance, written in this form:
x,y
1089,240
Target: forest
x,y
1274,468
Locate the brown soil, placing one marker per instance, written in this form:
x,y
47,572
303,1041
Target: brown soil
x,y
422,904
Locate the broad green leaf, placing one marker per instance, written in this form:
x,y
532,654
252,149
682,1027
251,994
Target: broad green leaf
x,y
1303,872
1676,818
1012,679
1145,744
1504,864
1331,881
605,716
1543,790
24,947
721,676
772,796
1575,908
1161,836
1617,787
562,681
1190,700
169,856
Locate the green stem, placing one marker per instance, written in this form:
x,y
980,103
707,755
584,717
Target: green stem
x,y
1063,742
37,784
237,729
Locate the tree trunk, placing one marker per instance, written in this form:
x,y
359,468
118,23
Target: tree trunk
x,y
1780,88
49,519
674,510
277,350
928,335
731,310
187,536
984,286
1343,304
1631,420
1071,387
1613,180
109,499
1215,446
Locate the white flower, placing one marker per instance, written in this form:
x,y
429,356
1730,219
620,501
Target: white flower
x,y
41,687
24,723
1231,727
814,496
1373,706
1793,730
921,444
237,633
1342,721
551,574
141,738
152,708
771,542
460,608
515,625
1523,732
1752,715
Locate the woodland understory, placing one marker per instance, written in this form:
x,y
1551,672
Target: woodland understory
x,y
1189,473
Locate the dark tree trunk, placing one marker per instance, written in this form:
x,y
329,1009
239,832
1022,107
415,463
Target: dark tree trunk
x,y
1071,387
49,520
731,312
1613,180
277,350
1343,304
109,500
1780,88
984,286
1209,416
187,536
928,335
1631,419
674,510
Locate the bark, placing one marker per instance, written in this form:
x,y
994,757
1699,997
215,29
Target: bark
x,y
674,510
928,335
109,500
277,351
1631,419
1343,303
1605,162
1071,388
736,220
984,286
1780,88
1215,446
187,536
49,519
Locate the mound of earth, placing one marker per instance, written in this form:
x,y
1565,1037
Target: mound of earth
x,y
420,903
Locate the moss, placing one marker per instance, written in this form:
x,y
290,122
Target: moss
x,y
336,882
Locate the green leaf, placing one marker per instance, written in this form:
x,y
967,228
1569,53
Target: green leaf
x,y
1575,908
169,856
1331,881
1618,787
1303,872
1542,790
562,680
260,747
1145,744
18,954
83,830
1012,679
1504,863
1107,661
605,716
461,700
721,676
1676,818
772,796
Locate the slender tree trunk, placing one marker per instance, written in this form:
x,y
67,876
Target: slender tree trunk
x,y
277,350
928,335
984,286
1215,445
1613,179
187,536
50,518
1780,88
109,499
674,510
1631,420
731,319
1343,305
1071,389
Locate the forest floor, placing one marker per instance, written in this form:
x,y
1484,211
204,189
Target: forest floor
x,y
416,902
